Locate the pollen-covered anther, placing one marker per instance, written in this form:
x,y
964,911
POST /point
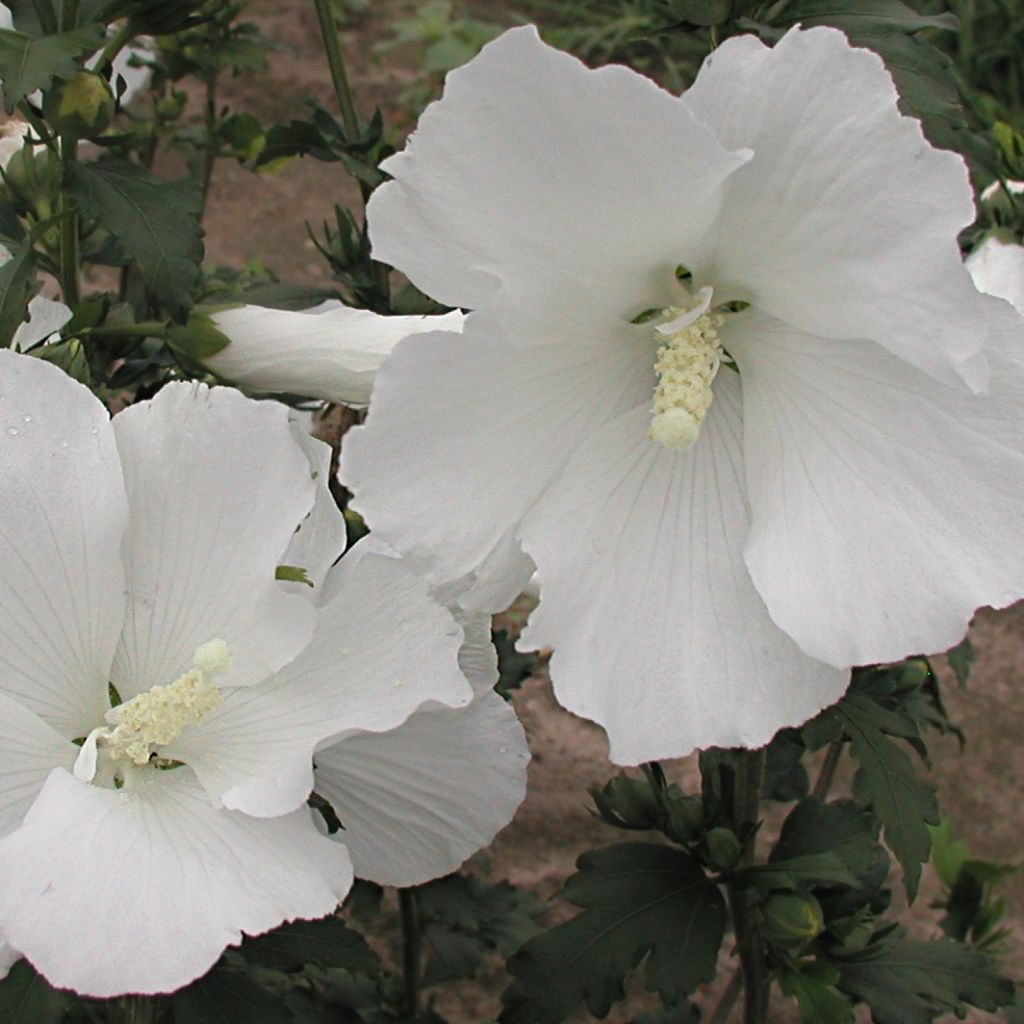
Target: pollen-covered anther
x,y
158,716
686,366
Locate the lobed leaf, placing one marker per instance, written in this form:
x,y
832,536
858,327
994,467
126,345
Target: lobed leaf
x,y
28,63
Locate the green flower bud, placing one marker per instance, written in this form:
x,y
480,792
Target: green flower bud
x,y
913,674
724,848
33,176
626,802
792,919
81,107
684,816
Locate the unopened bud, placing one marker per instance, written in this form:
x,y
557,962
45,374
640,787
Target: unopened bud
x,y
81,107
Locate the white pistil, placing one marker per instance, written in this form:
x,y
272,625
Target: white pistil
x,y
158,716
686,366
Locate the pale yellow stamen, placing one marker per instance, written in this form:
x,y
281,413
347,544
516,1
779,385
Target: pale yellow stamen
x,y
158,716
686,365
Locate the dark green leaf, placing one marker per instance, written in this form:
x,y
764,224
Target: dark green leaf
x,y
638,899
26,998
887,783
226,997
17,277
908,982
514,667
785,777
863,17
961,660
27,64
155,221
809,869
702,12
327,943
813,987
464,918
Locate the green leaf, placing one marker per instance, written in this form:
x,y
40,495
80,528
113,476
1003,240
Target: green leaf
x,y
27,64
226,997
809,869
327,943
70,356
514,667
785,777
464,918
17,277
887,783
155,221
27,998
866,16
907,982
948,854
813,987
293,574
638,899
961,660
702,12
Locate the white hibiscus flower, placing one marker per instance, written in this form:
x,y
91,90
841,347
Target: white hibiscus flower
x,y
162,695
331,351
712,383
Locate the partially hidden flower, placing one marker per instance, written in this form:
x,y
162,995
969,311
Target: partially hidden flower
x,y
712,383
163,692
13,134
331,351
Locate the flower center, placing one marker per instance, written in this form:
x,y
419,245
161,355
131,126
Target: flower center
x,y
687,362
154,718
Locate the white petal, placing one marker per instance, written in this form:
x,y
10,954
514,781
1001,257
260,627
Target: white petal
x,y
45,318
216,485
576,190
382,648
320,538
64,514
885,507
464,434
845,221
108,891
658,632
417,801
8,958
997,268
332,354
29,750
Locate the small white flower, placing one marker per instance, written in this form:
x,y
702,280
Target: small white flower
x,y
712,383
162,695
330,351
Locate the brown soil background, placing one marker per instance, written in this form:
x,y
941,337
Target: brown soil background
x,y
981,790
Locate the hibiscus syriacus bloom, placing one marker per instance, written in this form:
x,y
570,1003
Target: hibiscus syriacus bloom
x,y
331,351
162,694
717,382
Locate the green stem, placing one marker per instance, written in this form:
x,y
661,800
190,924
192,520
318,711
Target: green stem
x,y
68,256
68,15
143,329
44,12
721,1012
828,771
749,784
210,153
114,46
329,31
410,952
138,1010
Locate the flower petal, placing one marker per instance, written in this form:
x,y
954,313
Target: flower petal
x,y
44,318
381,649
574,189
29,750
320,539
885,507
332,354
108,891
62,585
415,802
845,221
465,433
997,268
658,632
216,484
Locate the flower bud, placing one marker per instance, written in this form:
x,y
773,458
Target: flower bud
x,y
792,919
684,816
81,107
626,802
724,848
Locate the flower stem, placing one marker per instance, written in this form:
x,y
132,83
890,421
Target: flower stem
x,y
114,46
341,87
410,952
749,782
138,1010
68,245
828,771
210,152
